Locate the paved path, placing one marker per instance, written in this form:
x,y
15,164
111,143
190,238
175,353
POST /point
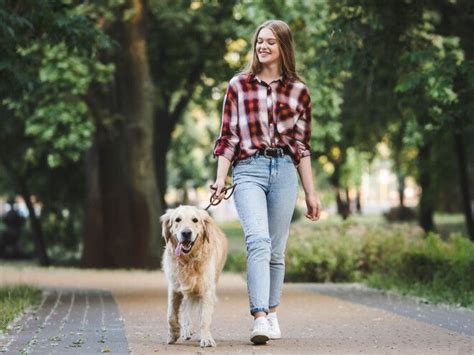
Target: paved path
x,y
458,319
69,321
313,320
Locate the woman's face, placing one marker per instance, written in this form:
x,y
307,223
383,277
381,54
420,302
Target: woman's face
x,y
268,51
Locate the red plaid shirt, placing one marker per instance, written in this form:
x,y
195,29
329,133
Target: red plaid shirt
x,y
258,115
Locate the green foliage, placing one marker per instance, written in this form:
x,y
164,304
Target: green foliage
x,y
389,257
49,61
188,159
54,110
187,49
438,270
341,253
15,299
236,262
44,114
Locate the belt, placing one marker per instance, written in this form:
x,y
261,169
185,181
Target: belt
x,y
273,152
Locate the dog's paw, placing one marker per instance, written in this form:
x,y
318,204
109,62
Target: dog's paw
x,y
186,333
207,342
172,337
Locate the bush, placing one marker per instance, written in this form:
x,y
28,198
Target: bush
x,y
236,262
297,214
396,214
346,252
439,270
389,256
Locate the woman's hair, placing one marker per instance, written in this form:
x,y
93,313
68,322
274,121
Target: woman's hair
x,y
285,42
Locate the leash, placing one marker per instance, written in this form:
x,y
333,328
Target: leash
x,y
214,201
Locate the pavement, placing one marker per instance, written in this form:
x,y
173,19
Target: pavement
x,y
90,311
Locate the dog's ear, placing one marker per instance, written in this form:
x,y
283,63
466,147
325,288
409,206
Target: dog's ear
x,y
207,224
166,224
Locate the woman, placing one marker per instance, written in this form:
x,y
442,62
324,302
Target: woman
x,y
265,134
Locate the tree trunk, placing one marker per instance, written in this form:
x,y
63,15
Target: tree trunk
x,y
397,148
358,203
400,180
94,241
122,218
464,180
457,20
164,126
341,204
36,227
426,206
348,201
401,189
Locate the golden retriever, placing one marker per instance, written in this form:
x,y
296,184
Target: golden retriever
x,y
195,253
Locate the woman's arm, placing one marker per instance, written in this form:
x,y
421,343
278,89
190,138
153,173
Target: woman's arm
x,y
228,141
313,204
223,165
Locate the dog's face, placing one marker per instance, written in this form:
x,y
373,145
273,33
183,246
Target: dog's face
x,y
184,227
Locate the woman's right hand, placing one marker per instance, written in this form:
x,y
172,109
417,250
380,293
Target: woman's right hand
x,y
218,186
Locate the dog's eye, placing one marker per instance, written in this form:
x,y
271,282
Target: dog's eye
x,y
178,220
195,220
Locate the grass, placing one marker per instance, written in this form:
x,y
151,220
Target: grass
x,y
15,299
433,293
398,256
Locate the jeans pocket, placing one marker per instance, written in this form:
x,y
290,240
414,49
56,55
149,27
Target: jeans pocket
x,y
288,158
245,161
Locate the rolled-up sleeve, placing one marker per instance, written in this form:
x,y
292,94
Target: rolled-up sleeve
x,y
228,142
302,129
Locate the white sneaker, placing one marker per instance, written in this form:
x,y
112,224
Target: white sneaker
x,y
275,332
260,332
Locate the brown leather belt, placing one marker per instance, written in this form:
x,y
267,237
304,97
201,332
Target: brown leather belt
x,y
273,152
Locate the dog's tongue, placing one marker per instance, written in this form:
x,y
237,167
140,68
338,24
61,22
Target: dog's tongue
x,y
177,251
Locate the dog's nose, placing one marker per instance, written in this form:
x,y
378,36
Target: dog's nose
x,y
186,234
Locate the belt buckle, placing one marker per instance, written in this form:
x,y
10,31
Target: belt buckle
x,y
278,150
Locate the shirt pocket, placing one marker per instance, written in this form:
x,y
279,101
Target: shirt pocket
x,y
286,113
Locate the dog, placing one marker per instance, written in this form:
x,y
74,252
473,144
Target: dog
x,y
194,256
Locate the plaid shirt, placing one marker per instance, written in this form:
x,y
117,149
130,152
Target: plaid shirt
x,y
256,115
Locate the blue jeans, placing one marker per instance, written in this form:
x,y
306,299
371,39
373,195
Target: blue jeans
x,y
265,198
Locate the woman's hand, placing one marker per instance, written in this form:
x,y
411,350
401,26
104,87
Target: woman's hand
x,y
313,206
219,186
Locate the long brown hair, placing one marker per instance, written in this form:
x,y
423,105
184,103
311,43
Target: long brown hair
x,y
285,42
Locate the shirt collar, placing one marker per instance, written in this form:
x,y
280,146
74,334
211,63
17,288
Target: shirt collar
x,y
253,77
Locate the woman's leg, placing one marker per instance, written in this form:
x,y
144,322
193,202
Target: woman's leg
x,y
281,200
251,204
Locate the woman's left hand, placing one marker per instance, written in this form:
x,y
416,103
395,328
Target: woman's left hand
x,y
313,206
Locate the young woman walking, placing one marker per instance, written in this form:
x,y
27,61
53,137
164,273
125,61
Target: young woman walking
x,y
265,135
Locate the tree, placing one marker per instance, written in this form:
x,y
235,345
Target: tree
x,y
457,20
43,118
187,47
122,209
